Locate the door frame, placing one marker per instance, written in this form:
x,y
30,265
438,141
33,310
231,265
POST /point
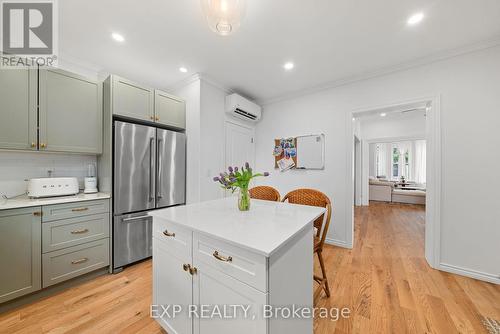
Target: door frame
x,y
433,197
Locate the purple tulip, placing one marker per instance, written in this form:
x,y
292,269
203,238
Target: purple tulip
x,y
216,178
230,169
235,169
266,173
247,165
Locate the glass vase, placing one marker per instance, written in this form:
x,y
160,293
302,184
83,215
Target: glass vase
x,y
244,199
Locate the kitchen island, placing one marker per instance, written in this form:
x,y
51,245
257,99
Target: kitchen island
x,y
218,270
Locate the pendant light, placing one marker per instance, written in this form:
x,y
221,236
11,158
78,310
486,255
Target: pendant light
x,y
223,16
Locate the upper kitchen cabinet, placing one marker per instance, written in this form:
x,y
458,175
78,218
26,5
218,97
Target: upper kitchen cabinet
x,y
18,114
132,100
70,113
170,110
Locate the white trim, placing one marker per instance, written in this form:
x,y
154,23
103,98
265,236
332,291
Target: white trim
x,y
440,56
469,273
434,161
339,243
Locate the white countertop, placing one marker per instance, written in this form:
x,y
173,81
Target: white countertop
x,y
263,229
25,201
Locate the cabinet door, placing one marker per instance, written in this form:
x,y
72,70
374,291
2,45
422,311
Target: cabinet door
x,y
18,109
172,286
70,113
170,110
132,100
20,252
212,287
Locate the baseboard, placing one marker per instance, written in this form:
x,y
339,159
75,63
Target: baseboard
x,y
340,243
470,273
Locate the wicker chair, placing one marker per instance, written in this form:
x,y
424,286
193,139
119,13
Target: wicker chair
x,y
265,193
315,198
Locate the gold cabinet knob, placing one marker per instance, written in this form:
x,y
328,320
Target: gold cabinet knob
x,y
152,118
43,145
157,118
33,144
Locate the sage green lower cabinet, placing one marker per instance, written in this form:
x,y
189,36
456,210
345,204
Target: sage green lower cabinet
x,y
70,112
20,252
18,109
170,110
74,231
67,263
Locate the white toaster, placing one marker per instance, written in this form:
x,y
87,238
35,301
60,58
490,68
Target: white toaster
x,y
52,186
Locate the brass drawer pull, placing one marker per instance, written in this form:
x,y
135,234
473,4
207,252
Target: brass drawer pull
x,y
168,234
80,231
193,270
79,209
186,267
85,259
222,258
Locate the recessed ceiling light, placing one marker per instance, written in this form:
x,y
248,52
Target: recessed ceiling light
x,y
383,114
288,66
415,19
353,119
183,69
117,37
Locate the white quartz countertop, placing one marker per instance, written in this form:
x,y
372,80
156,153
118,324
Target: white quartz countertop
x,y
25,201
263,229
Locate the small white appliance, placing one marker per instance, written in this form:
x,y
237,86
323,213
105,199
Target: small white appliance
x,y
90,181
242,108
52,186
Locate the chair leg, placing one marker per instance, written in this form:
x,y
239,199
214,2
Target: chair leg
x,y
323,271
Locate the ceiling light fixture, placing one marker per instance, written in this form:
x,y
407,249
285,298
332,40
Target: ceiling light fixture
x,y
383,114
117,37
224,16
415,19
288,66
183,69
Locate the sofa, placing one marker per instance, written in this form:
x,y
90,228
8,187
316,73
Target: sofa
x,y
386,191
380,190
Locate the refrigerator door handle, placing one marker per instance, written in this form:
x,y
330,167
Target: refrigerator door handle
x,y
126,220
151,169
159,149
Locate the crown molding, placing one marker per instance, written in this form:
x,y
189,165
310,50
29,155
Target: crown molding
x,y
201,77
436,57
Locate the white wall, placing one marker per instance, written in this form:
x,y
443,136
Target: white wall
x,y
15,167
469,87
393,126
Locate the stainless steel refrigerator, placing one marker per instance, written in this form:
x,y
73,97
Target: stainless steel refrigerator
x,y
149,173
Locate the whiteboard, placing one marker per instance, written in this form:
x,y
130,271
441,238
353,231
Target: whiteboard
x,y
311,152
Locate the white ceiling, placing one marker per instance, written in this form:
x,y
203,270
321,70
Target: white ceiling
x,y
328,40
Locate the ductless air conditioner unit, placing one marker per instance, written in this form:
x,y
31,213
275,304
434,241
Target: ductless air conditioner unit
x,y
239,107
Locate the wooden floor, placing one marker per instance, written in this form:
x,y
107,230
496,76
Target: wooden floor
x,y
384,281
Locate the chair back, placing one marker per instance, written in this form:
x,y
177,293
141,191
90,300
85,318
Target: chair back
x,y
265,193
313,198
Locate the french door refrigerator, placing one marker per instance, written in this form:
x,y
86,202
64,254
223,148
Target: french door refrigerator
x,y
149,173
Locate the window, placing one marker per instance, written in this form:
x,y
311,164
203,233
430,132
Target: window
x,y
395,163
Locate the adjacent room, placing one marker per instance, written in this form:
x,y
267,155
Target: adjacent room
x,y
250,167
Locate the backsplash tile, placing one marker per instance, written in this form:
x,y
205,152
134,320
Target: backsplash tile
x,y
16,167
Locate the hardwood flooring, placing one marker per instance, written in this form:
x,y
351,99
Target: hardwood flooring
x,y
384,281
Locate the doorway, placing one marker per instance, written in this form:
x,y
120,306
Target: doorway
x,y
397,152
240,145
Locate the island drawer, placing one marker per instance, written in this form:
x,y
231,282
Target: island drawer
x,y
176,238
70,232
239,263
64,264
76,209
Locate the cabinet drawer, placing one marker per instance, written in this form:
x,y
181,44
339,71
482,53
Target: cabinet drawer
x,y
176,238
245,266
76,209
61,265
74,231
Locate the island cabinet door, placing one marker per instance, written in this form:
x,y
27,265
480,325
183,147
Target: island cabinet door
x,y
219,301
173,290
